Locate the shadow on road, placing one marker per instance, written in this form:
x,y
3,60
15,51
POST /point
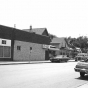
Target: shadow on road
x,y
83,78
63,61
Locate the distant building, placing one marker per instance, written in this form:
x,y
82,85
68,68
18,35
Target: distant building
x,y
62,44
40,31
59,42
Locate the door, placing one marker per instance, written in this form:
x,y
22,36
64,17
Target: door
x,y
46,55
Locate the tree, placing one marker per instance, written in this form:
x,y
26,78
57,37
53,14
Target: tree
x,y
52,36
80,42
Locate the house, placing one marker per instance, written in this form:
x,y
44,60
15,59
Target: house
x,y
59,42
19,45
62,44
39,31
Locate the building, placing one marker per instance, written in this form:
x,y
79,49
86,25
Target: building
x,y
39,31
59,42
19,45
62,44
43,31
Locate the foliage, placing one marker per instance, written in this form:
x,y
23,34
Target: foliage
x,y
80,42
52,36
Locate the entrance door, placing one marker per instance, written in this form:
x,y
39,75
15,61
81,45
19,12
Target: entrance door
x,y
46,55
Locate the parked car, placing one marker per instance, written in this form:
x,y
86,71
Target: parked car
x,y
59,58
82,67
81,56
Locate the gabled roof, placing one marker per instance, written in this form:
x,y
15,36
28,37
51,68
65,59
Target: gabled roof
x,y
67,41
57,40
39,31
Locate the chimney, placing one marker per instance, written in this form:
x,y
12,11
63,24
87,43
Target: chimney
x,y
30,28
14,25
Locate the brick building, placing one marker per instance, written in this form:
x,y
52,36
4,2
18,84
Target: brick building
x,y
18,45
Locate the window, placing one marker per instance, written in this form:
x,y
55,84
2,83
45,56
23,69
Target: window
x,y
1,51
19,48
3,41
5,51
30,48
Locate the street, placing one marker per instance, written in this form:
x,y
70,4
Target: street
x,y
40,75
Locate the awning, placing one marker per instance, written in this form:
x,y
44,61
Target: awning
x,y
54,49
50,47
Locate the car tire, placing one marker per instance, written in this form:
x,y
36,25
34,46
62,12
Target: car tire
x,y
52,61
66,60
59,61
82,74
75,60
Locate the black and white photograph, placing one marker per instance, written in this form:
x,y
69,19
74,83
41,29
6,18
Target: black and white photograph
x,y
43,43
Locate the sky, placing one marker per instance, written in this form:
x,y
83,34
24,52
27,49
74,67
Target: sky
x,y
62,18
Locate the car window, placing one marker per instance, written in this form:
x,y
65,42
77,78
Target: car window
x,y
85,60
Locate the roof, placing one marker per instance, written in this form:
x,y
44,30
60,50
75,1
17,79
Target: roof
x,y
67,42
36,30
17,34
58,40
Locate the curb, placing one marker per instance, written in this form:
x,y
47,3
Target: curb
x,y
12,63
25,62
28,62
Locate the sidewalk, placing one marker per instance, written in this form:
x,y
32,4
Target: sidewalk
x,y
21,62
26,62
83,86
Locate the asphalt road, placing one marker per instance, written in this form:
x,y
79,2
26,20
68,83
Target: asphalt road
x,y
40,75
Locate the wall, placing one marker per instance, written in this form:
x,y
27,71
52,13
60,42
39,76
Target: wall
x,y
62,43
25,54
